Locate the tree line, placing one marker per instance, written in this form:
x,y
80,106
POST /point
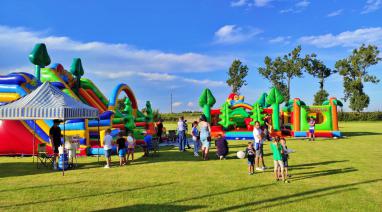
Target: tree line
x,y
281,70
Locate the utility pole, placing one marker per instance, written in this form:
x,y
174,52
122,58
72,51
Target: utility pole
x,y
171,101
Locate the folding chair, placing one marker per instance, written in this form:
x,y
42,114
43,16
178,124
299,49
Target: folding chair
x,y
43,157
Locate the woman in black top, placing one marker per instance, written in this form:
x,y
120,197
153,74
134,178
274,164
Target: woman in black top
x,y
121,149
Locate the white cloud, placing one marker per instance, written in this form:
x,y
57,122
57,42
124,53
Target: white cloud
x,y
238,3
190,104
371,6
262,3
296,8
303,3
230,34
281,40
346,39
176,104
101,55
162,77
335,13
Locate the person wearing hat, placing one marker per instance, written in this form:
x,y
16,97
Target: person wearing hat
x,y
55,140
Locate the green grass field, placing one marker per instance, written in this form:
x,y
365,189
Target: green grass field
x,y
327,175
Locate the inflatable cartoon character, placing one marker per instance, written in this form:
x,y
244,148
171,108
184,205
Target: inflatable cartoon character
x,y
235,99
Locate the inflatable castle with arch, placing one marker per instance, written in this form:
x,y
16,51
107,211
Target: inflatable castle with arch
x,y
15,136
235,118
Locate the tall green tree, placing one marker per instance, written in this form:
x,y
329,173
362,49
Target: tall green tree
x,y
354,71
39,57
273,71
275,98
318,69
206,101
77,70
236,76
293,66
282,70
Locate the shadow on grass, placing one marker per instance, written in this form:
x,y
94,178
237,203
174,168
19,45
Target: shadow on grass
x,y
155,207
85,196
297,197
40,186
308,175
353,134
316,164
20,169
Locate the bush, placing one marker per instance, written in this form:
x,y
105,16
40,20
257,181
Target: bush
x,y
362,116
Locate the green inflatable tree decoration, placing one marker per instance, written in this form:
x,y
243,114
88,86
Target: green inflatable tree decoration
x,y
77,70
225,111
263,100
39,57
149,112
275,98
129,118
206,101
257,114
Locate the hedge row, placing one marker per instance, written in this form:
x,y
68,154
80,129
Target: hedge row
x,y
342,116
362,116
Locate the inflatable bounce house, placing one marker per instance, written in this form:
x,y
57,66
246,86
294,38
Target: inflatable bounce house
x,y
16,136
235,118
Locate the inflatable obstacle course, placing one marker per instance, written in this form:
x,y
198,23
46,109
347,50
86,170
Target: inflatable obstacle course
x,y
16,85
235,119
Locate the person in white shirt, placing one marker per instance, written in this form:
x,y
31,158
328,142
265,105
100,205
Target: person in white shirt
x,y
107,146
181,134
258,146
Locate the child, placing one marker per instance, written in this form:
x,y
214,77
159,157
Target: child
x,y
130,146
221,147
312,124
277,158
195,138
121,149
148,143
285,155
250,152
107,146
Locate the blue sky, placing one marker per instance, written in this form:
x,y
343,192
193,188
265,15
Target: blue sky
x,y
159,47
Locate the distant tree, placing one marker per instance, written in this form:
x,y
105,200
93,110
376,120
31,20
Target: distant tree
x,y
355,73
225,118
206,101
273,71
283,69
318,69
275,98
121,103
236,74
39,57
77,70
292,67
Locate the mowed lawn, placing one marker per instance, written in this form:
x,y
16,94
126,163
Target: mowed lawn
x,y
327,175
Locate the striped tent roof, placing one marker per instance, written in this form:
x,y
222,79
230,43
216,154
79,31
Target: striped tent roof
x,y
47,102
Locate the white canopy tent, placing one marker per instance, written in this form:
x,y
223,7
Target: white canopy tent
x,y
47,102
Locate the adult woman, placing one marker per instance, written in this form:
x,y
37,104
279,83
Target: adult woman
x,y
205,136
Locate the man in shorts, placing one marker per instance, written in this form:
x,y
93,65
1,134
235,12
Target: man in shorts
x,y
55,140
258,146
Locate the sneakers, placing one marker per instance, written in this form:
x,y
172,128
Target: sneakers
x,y
55,167
286,181
196,154
259,169
263,168
106,167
